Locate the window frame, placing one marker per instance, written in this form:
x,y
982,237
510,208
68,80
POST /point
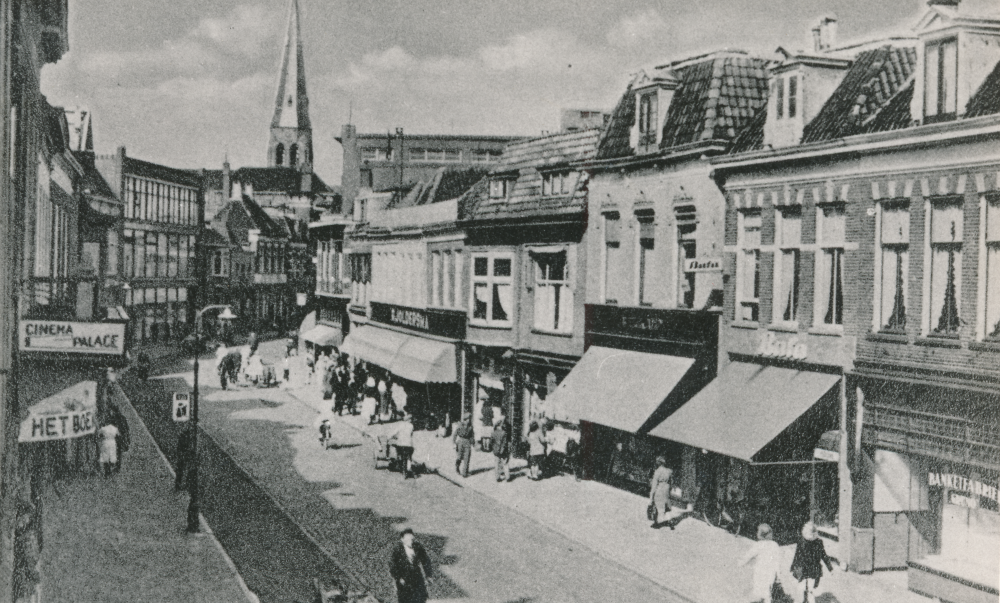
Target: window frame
x,y
955,246
542,283
832,249
941,101
491,280
744,250
901,250
500,188
990,247
781,247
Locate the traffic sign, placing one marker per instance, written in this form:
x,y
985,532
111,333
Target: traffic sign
x,y
182,407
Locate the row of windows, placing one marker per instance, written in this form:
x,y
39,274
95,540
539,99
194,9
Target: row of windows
x,y
446,279
399,277
161,314
158,254
270,259
493,290
160,202
422,154
330,273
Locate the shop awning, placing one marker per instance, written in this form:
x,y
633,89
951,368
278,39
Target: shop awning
x,y
619,388
375,345
425,361
745,408
70,413
408,356
324,335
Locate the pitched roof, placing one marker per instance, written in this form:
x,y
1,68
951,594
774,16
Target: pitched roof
x,y
259,217
868,88
986,100
92,182
448,183
716,96
155,171
296,230
751,137
279,179
532,159
214,238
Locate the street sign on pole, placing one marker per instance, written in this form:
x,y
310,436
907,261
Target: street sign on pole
x,y
182,407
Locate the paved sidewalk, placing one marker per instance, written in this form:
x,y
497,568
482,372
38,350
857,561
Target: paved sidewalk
x,y
694,560
123,538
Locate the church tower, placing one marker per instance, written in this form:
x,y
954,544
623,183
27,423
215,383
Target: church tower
x,y
290,144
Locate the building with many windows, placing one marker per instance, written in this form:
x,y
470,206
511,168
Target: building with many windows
x,y
862,246
162,208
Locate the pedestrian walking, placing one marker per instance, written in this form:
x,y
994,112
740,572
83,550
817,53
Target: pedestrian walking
x,y
369,405
108,457
410,568
464,437
765,554
185,457
325,433
659,489
501,449
123,440
807,564
536,450
403,437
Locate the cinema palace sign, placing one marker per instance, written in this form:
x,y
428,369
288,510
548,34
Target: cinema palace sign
x,y
57,336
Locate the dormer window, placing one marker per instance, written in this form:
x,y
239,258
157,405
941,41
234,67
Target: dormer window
x,y
786,105
793,91
940,79
500,188
647,119
558,183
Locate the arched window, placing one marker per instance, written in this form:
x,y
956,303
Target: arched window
x,y
293,155
279,154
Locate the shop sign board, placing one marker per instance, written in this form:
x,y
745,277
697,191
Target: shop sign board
x,y
965,491
436,322
107,338
773,347
703,265
181,408
70,413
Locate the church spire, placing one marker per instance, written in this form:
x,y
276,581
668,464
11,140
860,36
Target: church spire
x,y
291,132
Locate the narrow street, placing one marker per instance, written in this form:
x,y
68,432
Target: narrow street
x,y
482,551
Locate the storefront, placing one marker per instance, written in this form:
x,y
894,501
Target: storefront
x,y
419,348
930,474
640,366
764,436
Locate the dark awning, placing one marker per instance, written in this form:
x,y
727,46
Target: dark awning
x,y
745,408
324,335
619,388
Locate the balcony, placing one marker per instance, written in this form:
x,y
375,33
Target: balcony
x,y
270,279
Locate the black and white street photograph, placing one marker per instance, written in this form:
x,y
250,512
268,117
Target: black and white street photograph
x,y
455,301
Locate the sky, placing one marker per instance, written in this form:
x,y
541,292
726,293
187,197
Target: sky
x,y
187,83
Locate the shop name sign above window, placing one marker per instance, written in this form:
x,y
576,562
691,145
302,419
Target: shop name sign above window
x,y
72,337
791,348
963,484
703,265
408,318
445,323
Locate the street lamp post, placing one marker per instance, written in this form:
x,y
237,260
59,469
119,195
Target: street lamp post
x,y
194,504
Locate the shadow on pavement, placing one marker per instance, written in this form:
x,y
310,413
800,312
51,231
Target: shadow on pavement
x,y
284,535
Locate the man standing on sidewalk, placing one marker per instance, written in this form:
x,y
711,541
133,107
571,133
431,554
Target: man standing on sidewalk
x,y
463,445
410,568
501,449
185,449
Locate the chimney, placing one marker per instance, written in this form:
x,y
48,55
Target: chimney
x,y
225,179
825,34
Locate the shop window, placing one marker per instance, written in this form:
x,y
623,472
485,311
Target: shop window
x,y
788,235
647,245
748,266
492,289
945,267
894,241
687,249
992,281
940,79
615,268
553,293
831,224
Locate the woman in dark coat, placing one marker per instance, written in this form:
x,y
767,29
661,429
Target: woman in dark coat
x,y
807,564
409,565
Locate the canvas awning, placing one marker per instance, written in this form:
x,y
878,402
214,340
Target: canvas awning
x,y
324,335
619,388
745,408
408,356
70,413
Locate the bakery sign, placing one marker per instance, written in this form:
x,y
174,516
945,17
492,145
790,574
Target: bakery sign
x,y
70,413
964,491
703,265
106,338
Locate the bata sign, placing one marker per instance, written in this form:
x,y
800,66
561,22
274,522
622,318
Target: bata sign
x,y
68,414
773,347
703,265
72,337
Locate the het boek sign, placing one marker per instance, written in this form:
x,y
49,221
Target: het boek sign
x,y
107,338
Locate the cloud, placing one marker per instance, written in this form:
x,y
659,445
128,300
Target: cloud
x,y
637,29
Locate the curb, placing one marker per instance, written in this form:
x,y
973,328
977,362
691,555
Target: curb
x,y
205,527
